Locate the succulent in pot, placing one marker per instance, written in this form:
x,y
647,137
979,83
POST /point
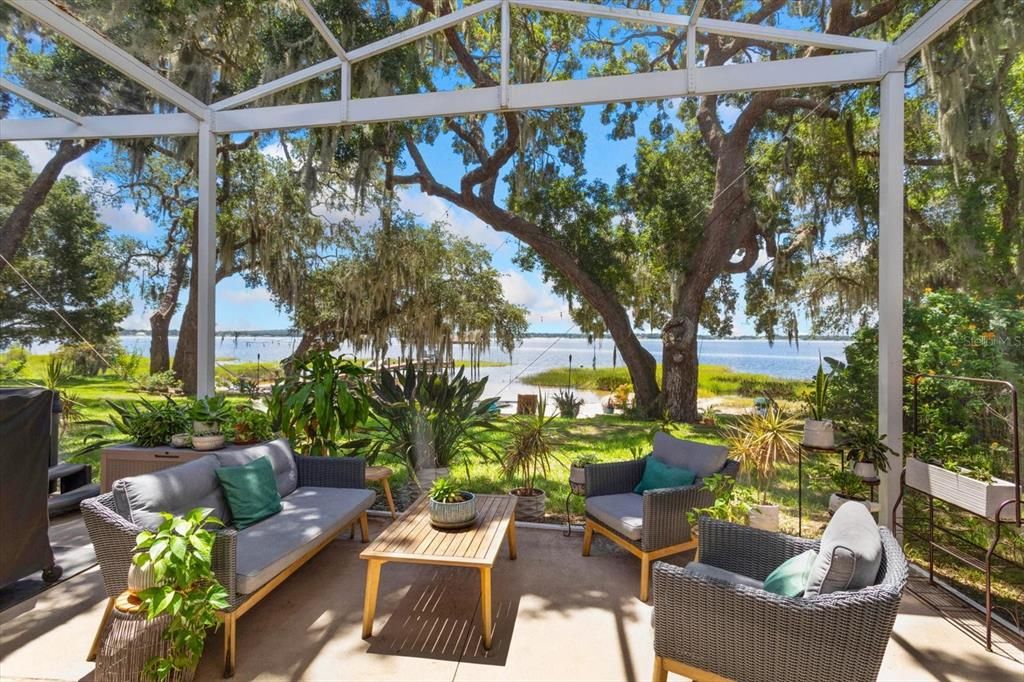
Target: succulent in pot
x,y
819,431
578,473
568,404
210,414
451,507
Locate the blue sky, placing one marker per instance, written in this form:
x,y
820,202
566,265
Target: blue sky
x,y
242,308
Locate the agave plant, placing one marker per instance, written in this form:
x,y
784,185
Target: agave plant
x,y
427,419
762,442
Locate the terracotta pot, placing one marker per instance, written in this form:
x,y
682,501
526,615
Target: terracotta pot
x,y
529,504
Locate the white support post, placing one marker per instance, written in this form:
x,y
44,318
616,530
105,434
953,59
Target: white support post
x,y
206,261
890,288
346,89
691,44
506,40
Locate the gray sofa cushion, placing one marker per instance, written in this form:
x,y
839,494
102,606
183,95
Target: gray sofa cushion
x,y
176,490
722,575
623,513
850,553
279,452
699,458
307,516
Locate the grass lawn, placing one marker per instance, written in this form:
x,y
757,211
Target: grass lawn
x,y
712,380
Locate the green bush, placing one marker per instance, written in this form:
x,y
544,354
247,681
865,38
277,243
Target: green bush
x,y
12,362
83,358
161,382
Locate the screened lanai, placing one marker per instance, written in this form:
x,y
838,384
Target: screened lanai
x,y
548,621
843,59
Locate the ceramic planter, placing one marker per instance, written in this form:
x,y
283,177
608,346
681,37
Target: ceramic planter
x,y
981,498
140,578
765,517
865,470
211,442
578,480
819,433
454,514
836,501
529,507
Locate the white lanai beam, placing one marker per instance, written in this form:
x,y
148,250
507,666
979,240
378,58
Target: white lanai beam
x,y
206,292
92,42
321,27
40,101
929,27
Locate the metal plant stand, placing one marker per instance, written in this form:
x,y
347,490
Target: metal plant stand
x,y
997,522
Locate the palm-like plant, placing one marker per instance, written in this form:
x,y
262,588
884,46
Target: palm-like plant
x,y
427,419
529,454
762,442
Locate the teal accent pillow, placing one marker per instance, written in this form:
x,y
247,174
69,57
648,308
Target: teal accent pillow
x,y
657,474
251,491
790,579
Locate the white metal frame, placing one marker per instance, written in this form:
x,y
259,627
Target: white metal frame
x,y
858,60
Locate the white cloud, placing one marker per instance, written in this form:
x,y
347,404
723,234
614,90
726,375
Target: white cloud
x,y
538,299
246,296
460,222
127,219
39,154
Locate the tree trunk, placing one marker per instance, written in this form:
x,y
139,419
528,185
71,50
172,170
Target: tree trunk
x,y
16,226
185,362
679,364
160,321
640,363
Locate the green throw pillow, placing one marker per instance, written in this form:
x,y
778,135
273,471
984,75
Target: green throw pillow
x,y
657,474
251,491
790,579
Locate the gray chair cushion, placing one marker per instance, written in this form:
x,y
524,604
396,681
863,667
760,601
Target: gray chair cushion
x,y
699,458
286,474
307,516
722,575
175,490
850,553
623,513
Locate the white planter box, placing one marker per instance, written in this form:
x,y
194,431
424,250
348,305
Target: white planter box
x,y
984,499
819,434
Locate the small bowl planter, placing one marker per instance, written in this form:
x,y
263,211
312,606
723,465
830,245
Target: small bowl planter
x,y
451,515
979,497
209,442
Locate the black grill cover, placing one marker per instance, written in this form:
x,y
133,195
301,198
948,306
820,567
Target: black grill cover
x,y
25,416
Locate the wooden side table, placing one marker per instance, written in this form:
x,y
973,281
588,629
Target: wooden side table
x,y
382,474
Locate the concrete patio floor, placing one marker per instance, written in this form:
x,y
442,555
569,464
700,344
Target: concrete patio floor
x,y
558,616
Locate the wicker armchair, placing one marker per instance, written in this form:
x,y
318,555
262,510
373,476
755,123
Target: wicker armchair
x,y
113,538
710,629
661,514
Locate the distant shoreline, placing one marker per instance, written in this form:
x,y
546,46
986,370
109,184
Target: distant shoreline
x,y
294,333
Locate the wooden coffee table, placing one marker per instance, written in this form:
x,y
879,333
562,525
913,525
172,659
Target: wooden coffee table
x,y
411,539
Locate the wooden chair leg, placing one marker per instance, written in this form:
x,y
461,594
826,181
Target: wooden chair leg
x,y
660,671
229,645
645,576
364,527
94,650
588,537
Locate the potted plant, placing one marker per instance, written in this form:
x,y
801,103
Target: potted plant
x,y
186,593
866,451
568,404
250,425
762,441
209,416
710,415
733,502
847,486
528,457
451,507
149,424
578,473
819,432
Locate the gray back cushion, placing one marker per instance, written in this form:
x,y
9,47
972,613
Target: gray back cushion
x,y
279,452
850,553
175,490
699,458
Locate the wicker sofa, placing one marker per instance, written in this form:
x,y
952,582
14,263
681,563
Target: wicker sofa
x,y
320,497
708,625
653,525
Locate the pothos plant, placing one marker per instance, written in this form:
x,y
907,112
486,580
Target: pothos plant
x,y
179,553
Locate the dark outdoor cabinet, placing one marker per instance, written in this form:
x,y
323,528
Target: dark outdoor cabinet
x,y
25,442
